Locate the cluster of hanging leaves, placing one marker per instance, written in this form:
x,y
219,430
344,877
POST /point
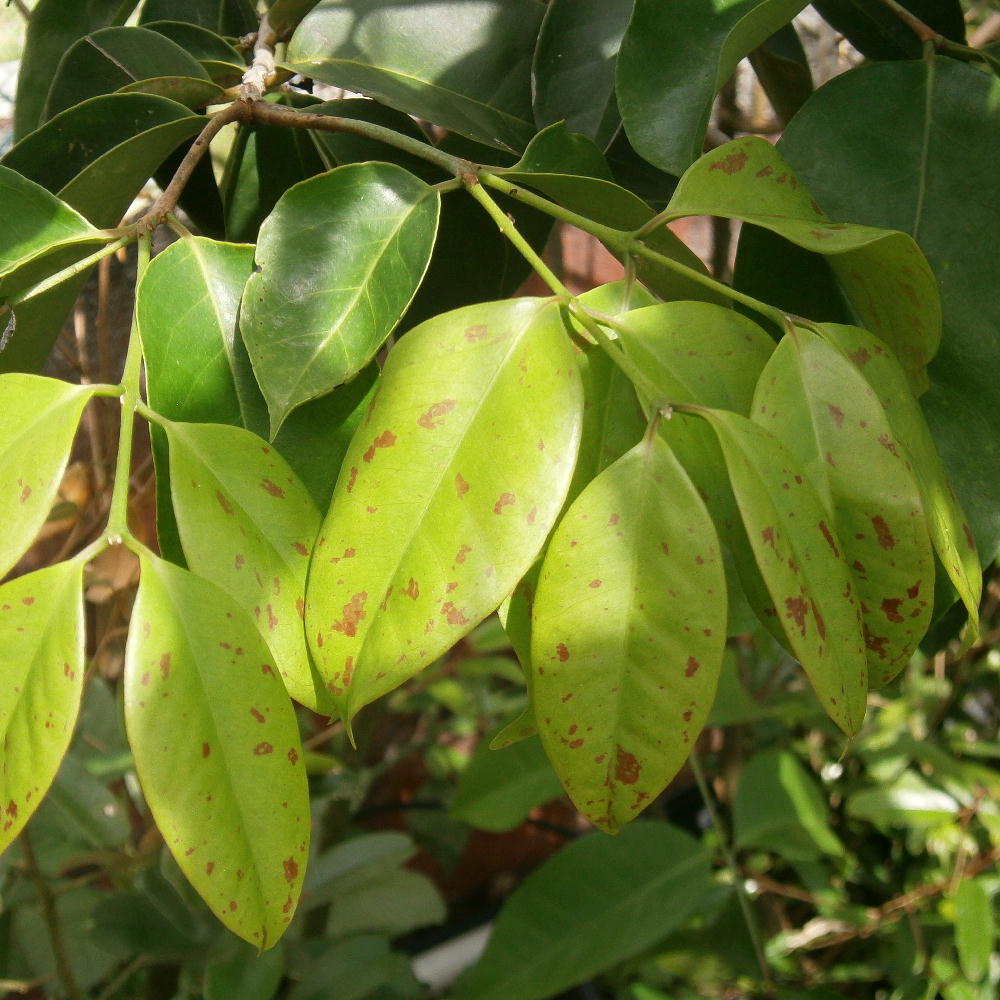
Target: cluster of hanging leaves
x,y
330,526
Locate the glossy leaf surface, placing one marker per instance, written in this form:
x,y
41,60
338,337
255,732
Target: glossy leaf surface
x,y
665,101
110,58
949,529
42,661
801,564
821,408
627,634
224,17
463,66
39,423
338,261
447,492
249,534
597,902
204,702
884,274
192,92
203,43
943,193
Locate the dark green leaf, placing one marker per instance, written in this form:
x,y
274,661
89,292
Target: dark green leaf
x,y
190,91
665,100
944,193
225,17
447,493
465,67
203,700
782,68
247,975
884,274
42,662
200,200
110,58
574,65
363,967
599,901
202,43
338,262
39,423
499,788
627,634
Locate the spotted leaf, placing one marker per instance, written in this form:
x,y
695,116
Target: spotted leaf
x,y
42,664
39,422
448,490
821,408
800,562
217,750
252,534
628,632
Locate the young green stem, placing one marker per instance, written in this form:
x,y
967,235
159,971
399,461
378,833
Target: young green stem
x,y
118,529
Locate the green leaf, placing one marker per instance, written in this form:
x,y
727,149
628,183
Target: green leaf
x,y
447,493
203,43
499,788
975,928
778,807
190,91
884,274
54,26
627,634
781,66
247,524
203,700
224,17
909,801
42,662
338,261
665,101
246,975
574,66
110,58
363,967
40,236
822,409
465,67
800,563
697,352
39,424
598,902
944,193
949,529
97,155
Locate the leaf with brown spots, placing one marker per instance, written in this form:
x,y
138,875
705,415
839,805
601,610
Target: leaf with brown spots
x,y
825,413
440,522
782,515
40,417
945,519
226,725
42,665
247,524
883,273
636,652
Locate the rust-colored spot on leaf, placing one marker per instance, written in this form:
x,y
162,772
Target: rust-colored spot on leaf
x,y
412,590
575,744
206,750
731,164
462,552
890,608
301,549
291,869
354,612
453,615
430,418
272,620
262,749
882,532
385,440
626,767
797,610
876,643
562,652
594,584
25,493
258,715
210,867
693,666
768,536
837,413
352,479
765,172
969,540
614,519
830,540
165,666
226,506
665,548
268,486
293,756
461,486
300,608
504,500
232,904
912,592
474,333
348,670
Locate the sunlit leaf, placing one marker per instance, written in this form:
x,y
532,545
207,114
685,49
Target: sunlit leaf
x,y
801,564
883,273
217,750
192,92
42,663
627,634
39,423
250,534
821,408
447,493
338,261
975,928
